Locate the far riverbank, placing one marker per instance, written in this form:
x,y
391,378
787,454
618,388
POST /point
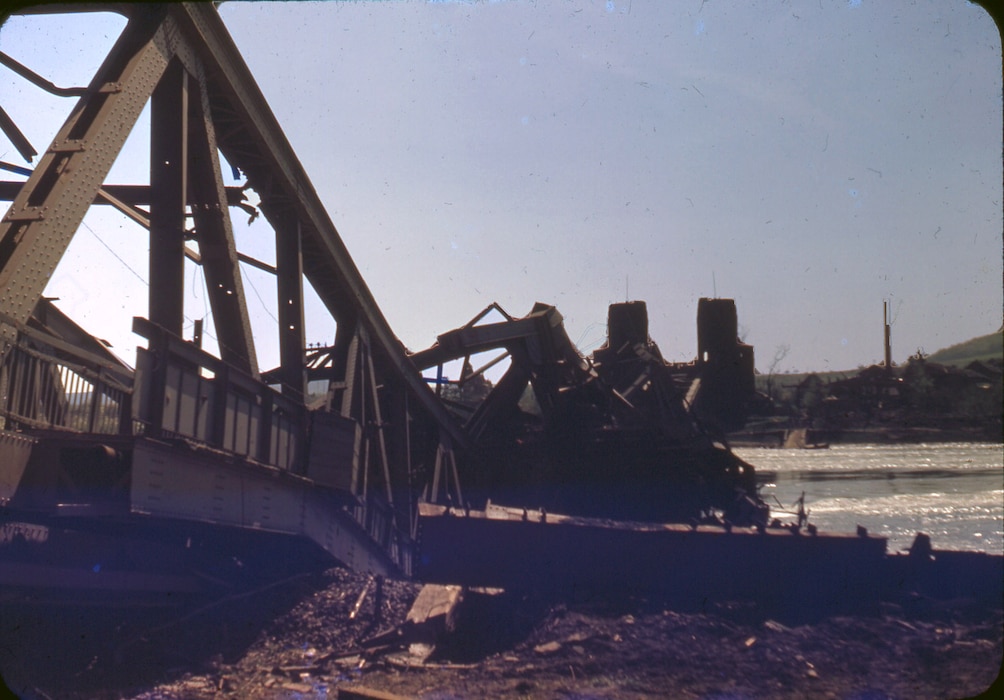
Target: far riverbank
x,y
779,437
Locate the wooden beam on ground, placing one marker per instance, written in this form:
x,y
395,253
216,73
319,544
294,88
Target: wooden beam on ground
x,y
434,612
360,693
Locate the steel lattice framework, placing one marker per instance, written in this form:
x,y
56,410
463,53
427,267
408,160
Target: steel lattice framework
x,y
204,102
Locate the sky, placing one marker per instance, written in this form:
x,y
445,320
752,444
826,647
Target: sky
x,y
810,160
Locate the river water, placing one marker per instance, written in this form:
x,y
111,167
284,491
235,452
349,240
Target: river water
x,y
954,492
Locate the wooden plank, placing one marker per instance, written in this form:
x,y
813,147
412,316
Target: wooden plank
x,y
361,693
434,612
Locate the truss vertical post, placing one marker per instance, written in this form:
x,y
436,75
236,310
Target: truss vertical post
x,y
158,380
397,432
218,408
168,190
436,471
350,406
378,425
406,419
289,286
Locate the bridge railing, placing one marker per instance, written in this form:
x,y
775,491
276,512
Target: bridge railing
x,y
178,390
42,390
184,391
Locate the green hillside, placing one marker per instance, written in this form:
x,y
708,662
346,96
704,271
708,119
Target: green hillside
x,y
983,348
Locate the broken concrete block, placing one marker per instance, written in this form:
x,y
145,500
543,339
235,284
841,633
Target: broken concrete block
x,y
434,612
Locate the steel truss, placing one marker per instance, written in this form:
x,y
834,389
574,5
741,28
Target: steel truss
x,y
379,427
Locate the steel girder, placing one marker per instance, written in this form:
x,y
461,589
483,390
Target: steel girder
x,y
204,102
130,195
38,226
214,232
168,186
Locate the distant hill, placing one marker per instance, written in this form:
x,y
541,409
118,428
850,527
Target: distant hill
x,y
985,347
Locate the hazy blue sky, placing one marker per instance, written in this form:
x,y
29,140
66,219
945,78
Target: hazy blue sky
x,y
809,159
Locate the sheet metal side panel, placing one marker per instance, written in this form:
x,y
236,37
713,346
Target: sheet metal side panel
x,y
173,484
334,530
692,565
166,483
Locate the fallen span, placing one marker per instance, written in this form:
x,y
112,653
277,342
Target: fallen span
x,y
618,434
802,573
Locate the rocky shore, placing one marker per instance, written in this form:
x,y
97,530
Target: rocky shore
x,y
319,635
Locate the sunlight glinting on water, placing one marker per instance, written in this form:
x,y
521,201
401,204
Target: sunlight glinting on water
x,y
953,492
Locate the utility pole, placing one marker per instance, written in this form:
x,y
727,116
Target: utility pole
x,y
888,346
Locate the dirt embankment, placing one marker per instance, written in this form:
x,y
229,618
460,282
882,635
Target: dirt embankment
x,y
300,639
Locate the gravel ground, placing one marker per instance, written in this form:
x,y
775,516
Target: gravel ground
x,y
299,639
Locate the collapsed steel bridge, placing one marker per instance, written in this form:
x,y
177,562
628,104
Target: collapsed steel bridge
x,y
192,467
188,442
187,436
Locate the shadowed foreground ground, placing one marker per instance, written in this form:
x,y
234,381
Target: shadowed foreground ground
x,y
296,640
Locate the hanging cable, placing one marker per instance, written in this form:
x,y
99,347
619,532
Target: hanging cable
x,y
112,251
260,300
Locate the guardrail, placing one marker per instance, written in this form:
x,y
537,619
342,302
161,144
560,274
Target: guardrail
x,y
179,391
44,391
184,391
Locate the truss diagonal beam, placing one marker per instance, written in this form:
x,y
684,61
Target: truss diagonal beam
x,y
46,213
251,139
214,232
40,223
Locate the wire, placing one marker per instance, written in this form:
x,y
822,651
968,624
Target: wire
x,y
112,251
196,286
260,300
205,331
140,278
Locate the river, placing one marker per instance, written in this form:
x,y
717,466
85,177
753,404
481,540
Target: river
x,y
954,492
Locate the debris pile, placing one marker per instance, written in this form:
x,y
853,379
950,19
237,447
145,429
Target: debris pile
x,y
301,639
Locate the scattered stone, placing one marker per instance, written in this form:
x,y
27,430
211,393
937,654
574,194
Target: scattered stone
x,y
658,653
547,648
420,651
775,626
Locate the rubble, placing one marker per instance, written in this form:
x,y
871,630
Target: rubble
x,y
299,640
